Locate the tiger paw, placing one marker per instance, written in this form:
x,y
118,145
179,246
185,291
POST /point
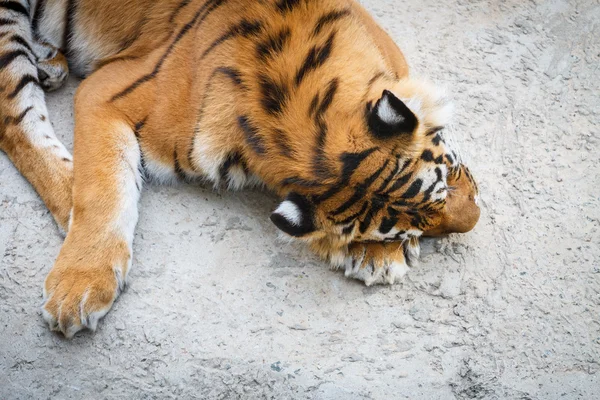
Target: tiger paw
x,y
53,72
76,297
377,263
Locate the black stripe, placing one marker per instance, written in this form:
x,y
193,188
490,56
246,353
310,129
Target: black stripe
x,y
253,138
244,28
206,9
353,217
15,6
286,6
37,17
399,183
348,230
312,108
350,162
6,21
274,44
361,190
356,197
274,94
142,164
178,9
138,128
387,224
283,143
435,130
413,190
427,193
316,57
19,40
103,63
329,19
427,156
134,86
25,80
328,98
391,176
332,191
177,167
417,218
366,223
232,73
8,58
18,119
233,159
320,163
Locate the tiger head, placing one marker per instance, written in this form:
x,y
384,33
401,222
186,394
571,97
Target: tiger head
x,y
395,176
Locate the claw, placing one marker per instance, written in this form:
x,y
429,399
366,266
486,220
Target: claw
x,y
377,263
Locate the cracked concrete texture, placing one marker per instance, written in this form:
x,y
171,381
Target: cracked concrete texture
x,y
218,308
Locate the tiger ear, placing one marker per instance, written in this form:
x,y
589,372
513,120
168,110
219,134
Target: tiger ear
x,y
391,117
295,216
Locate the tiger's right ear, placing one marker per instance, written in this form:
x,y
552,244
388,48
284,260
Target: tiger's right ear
x,y
295,216
391,117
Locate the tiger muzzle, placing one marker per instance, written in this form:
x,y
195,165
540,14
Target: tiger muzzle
x,y
462,211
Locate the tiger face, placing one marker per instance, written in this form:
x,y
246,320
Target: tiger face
x,y
400,179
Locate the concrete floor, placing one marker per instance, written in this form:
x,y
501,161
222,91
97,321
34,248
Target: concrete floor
x,y
218,308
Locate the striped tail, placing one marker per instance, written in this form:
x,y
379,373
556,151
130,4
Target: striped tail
x,y
26,135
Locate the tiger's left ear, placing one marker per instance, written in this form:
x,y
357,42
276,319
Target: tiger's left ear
x,y
295,216
391,117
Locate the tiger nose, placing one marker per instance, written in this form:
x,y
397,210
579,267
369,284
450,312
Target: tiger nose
x,y
462,211
461,216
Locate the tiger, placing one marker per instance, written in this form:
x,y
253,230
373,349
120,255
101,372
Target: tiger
x,y
310,99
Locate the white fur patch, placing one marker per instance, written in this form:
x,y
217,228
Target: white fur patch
x,y
129,181
207,159
387,114
337,259
414,233
290,212
236,178
158,172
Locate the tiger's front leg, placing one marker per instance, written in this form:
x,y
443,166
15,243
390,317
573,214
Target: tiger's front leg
x,y
26,134
93,263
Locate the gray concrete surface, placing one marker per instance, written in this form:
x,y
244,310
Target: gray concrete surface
x,y
217,308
